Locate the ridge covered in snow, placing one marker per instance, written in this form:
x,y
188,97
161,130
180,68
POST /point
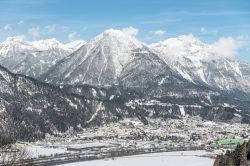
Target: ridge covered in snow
x,y
21,43
203,63
33,58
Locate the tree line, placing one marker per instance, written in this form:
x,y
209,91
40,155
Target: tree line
x,y
238,157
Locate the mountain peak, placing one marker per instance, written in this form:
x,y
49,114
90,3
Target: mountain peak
x,y
112,31
115,33
184,46
14,40
76,44
13,44
182,40
48,43
114,37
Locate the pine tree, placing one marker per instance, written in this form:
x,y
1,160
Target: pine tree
x,y
229,159
217,160
248,150
4,140
243,157
237,155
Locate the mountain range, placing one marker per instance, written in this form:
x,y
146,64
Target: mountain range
x,y
50,87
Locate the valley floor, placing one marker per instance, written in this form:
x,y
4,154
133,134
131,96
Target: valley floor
x,y
165,142
180,158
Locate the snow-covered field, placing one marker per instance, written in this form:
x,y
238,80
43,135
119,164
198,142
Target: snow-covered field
x,y
186,158
36,151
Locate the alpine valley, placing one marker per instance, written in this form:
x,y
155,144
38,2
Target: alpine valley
x,y
50,88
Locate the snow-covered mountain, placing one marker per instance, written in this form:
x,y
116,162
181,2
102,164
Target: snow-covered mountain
x,y
103,60
98,62
29,109
202,63
176,78
116,58
33,58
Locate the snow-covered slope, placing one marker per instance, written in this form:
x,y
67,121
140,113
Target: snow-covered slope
x,y
202,63
99,62
29,109
33,58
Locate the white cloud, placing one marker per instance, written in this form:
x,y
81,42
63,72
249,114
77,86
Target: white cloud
x,y
72,36
34,32
7,27
20,22
159,32
50,28
131,31
227,46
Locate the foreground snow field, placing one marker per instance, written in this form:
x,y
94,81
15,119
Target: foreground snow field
x,y
186,158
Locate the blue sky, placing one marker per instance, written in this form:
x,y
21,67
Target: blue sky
x,y
155,19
